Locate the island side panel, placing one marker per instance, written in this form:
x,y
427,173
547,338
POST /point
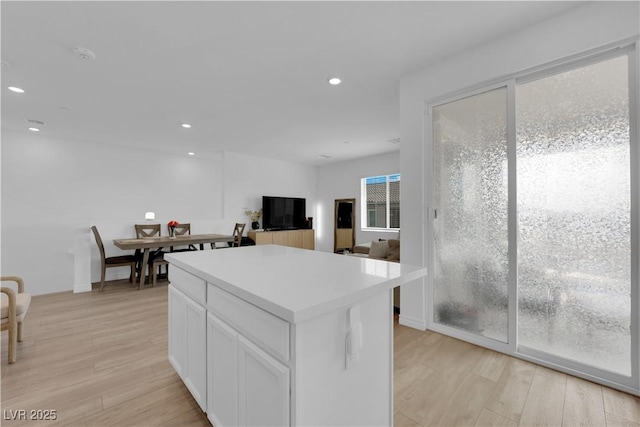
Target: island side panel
x,y
328,393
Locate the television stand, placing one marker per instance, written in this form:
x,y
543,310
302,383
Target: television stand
x,y
300,238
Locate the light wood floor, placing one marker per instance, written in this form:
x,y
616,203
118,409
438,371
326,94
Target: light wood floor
x,y
100,359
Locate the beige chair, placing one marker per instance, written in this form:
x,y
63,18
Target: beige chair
x,y
15,305
113,261
156,258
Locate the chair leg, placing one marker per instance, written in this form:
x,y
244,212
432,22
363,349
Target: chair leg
x,y
154,275
104,273
20,332
12,343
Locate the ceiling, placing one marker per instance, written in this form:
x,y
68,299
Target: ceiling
x,y
250,77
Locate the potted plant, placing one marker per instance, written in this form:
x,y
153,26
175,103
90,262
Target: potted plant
x,y
255,217
172,227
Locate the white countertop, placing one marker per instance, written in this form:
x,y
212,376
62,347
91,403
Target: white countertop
x,y
295,284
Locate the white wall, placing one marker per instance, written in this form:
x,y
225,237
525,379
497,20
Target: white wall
x,y
576,31
53,190
342,181
248,178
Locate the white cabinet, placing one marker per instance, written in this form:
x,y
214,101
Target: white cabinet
x,y
187,342
263,387
177,322
222,373
297,338
246,386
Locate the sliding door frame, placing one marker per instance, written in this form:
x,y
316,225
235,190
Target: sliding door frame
x,y
627,47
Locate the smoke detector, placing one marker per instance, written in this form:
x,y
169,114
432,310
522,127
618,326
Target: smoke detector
x,y
84,53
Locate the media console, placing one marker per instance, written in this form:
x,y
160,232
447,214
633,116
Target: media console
x,y
301,238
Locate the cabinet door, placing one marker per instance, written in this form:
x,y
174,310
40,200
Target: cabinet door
x,y
222,373
261,238
263,387
280,238
294,238
177,326
308,239
196,366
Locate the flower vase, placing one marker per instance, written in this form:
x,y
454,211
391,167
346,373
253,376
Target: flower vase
x,y
172,232
255,225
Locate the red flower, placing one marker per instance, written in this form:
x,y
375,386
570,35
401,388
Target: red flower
x,y
172,223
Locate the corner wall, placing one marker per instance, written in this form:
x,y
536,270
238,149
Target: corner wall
x,y
342,181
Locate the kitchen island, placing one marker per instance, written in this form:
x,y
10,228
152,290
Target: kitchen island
x,y
273,335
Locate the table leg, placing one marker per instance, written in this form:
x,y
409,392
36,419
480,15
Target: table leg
x,y
143,268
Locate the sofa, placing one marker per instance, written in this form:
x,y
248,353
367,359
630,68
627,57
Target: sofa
x,y
388,250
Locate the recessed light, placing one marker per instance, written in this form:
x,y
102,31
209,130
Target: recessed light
x,y
191,153
324,157
34,129
334,81
186,125
16,89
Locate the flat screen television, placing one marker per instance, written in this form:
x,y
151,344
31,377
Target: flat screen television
x,y
283,213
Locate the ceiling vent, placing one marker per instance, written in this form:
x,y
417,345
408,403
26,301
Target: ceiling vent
x,y
35,122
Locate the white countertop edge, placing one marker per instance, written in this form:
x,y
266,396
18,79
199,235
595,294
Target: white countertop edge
x,y
306,313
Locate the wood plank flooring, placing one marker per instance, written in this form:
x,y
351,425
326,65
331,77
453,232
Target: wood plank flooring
x,y
100,359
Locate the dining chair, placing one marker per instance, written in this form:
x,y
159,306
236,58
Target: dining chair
x,y
237,234
181,230
112,261
156,257
14,307
238,229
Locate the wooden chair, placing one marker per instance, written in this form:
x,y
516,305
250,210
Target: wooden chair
x,y
156,258
181,230
15,305
113,261
237,234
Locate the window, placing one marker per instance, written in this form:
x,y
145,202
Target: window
x,y
381,198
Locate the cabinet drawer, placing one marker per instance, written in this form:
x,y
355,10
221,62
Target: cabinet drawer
x,y
265,329
193,286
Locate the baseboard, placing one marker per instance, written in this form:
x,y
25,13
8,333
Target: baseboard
x,y
412,323
82,288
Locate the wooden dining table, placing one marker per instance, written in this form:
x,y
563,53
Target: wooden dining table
x,y
145,244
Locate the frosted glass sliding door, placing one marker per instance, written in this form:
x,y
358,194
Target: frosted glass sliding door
x,y
574,224
470,229
534,237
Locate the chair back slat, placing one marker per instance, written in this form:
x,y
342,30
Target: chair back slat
x,y
237,233
182,229
147,230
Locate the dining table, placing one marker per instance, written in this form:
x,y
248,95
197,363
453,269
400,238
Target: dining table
x,y
145,244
